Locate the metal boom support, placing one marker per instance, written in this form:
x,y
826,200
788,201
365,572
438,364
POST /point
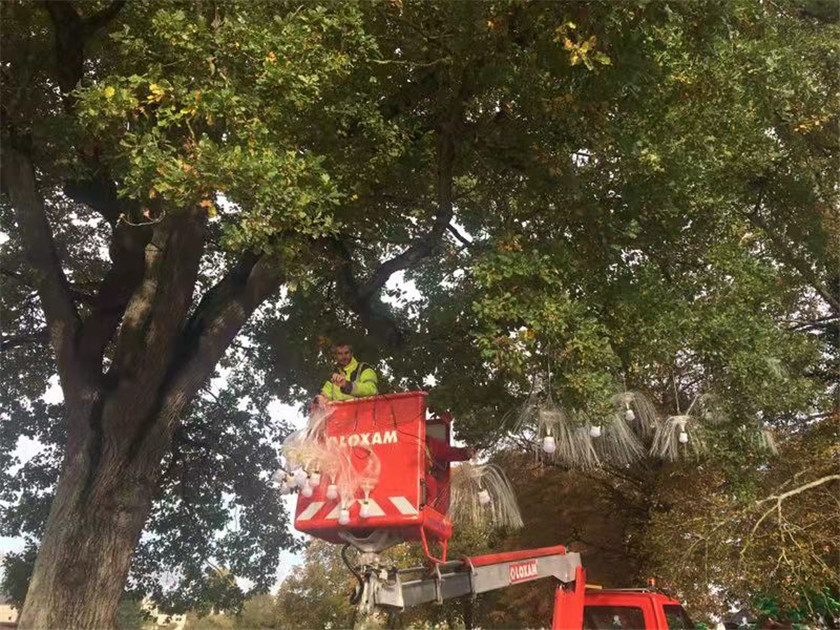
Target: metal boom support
x,y
401,588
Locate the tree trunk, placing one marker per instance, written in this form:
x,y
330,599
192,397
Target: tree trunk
x,y
121,427
95,521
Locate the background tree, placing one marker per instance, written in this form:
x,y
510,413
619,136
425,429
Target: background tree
x,y
131,615
316,593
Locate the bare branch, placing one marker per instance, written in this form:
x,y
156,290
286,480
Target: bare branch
x,y
778,499
799,489
13,341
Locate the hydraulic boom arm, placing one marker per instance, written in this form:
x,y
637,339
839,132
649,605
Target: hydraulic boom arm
x,y
397,589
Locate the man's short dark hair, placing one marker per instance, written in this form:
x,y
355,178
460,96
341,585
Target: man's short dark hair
x,y
341,344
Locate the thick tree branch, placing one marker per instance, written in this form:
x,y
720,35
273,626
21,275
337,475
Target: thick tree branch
x,y
115,291
76,291
155,312
219,317
18,177
463,239
72,33
129,400
374,314
424,246
127,254
100,194
102,18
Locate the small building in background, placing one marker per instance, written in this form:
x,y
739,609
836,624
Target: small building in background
x,y
8,613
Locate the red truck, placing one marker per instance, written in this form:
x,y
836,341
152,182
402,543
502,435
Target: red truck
x,y
394,431
577,606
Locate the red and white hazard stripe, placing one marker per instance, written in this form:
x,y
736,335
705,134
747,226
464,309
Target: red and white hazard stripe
x,y
401,504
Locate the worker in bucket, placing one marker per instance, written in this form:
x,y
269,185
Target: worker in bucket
x,y
351,378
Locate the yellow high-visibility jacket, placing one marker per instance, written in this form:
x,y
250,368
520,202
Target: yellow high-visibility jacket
x,y
360,375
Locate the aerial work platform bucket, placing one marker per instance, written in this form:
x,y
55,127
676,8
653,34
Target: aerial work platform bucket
x,y
393,427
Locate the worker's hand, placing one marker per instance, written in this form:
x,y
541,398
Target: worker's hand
x,y
339,380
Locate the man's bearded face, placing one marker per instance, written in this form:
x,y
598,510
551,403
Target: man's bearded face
x,y
342,355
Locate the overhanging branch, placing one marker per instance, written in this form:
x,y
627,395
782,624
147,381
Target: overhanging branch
x,y
363,296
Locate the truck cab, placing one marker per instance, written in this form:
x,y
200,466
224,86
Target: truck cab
x,y
611,609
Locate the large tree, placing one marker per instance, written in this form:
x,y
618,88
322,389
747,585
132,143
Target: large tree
x,y
634,192
123,126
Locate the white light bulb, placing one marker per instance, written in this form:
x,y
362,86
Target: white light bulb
x,y
595,431
549,445
483,497
315,479
291,480
301,476
683,437
332,492
364,512
629,415
344,516
306,489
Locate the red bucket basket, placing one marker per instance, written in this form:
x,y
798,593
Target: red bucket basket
x,y
394,428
